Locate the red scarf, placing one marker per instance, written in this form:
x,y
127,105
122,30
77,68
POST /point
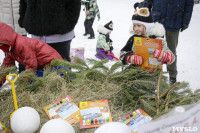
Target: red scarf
x,y
5,48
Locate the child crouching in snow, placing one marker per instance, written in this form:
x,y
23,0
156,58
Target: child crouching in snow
x,y
143,26
104,43
30,52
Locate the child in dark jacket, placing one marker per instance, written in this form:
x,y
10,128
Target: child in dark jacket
x,y
104,43
27,51
91,11
143,26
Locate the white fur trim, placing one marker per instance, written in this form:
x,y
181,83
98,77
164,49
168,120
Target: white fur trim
x,y
147,25
103,30
157,29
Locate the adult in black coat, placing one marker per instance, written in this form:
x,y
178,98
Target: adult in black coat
x,y
51,21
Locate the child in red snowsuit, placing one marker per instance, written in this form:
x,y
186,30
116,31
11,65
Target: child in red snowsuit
x,y
27,51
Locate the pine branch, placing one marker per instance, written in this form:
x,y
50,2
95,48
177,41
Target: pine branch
x,y
140,81
91,61
158,94
114,67
4,71
148,97
169,89
26,75
176,99
185,92
80,62
167,102
185,99
68,65
129,73
197,91
100,64
94,75
146,104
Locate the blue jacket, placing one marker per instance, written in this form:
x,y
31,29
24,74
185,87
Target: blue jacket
x,y
172,13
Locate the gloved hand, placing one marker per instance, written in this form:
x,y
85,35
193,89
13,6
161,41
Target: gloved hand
x,y
39,72
110,42
88,13
106,52
111,48
184,27
164,57
134,59
98,16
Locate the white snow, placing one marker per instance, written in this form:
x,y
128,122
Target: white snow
x,y
113,127
120,12
25,120
57,126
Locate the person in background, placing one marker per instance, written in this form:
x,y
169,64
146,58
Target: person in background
x,y
175,15
104,43
31,52
51,21
9,14
91,11
143,26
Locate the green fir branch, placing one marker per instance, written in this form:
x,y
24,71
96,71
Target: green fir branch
x,y
114,67
148,97
146,104
101,65
4,71
158,94
81,62
68,65
169,89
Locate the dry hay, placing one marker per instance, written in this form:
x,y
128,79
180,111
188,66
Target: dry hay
x,y
55,88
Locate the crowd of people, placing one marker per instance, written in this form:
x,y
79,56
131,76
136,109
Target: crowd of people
x,y
51,25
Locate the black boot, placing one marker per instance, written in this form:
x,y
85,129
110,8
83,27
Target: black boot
x,y
91,37
85,34
172,80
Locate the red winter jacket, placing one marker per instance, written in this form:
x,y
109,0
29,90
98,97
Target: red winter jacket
x,y
28,51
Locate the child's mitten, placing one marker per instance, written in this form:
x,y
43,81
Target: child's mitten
x,y
88,13
111,48
164,57
134,59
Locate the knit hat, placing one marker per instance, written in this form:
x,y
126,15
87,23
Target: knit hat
x,y
142,15
109,26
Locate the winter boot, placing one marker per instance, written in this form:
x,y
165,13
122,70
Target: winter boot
x,y
172,80
85,34
91,37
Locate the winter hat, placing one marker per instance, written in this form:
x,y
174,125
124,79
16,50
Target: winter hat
x,y
109,26
142,15
106,28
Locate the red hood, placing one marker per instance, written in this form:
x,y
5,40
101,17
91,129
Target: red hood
x,y
7,35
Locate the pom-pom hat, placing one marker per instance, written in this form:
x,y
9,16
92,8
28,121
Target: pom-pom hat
x,y
142,15
109,26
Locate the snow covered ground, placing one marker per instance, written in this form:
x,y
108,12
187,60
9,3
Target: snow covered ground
x,y
120,12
